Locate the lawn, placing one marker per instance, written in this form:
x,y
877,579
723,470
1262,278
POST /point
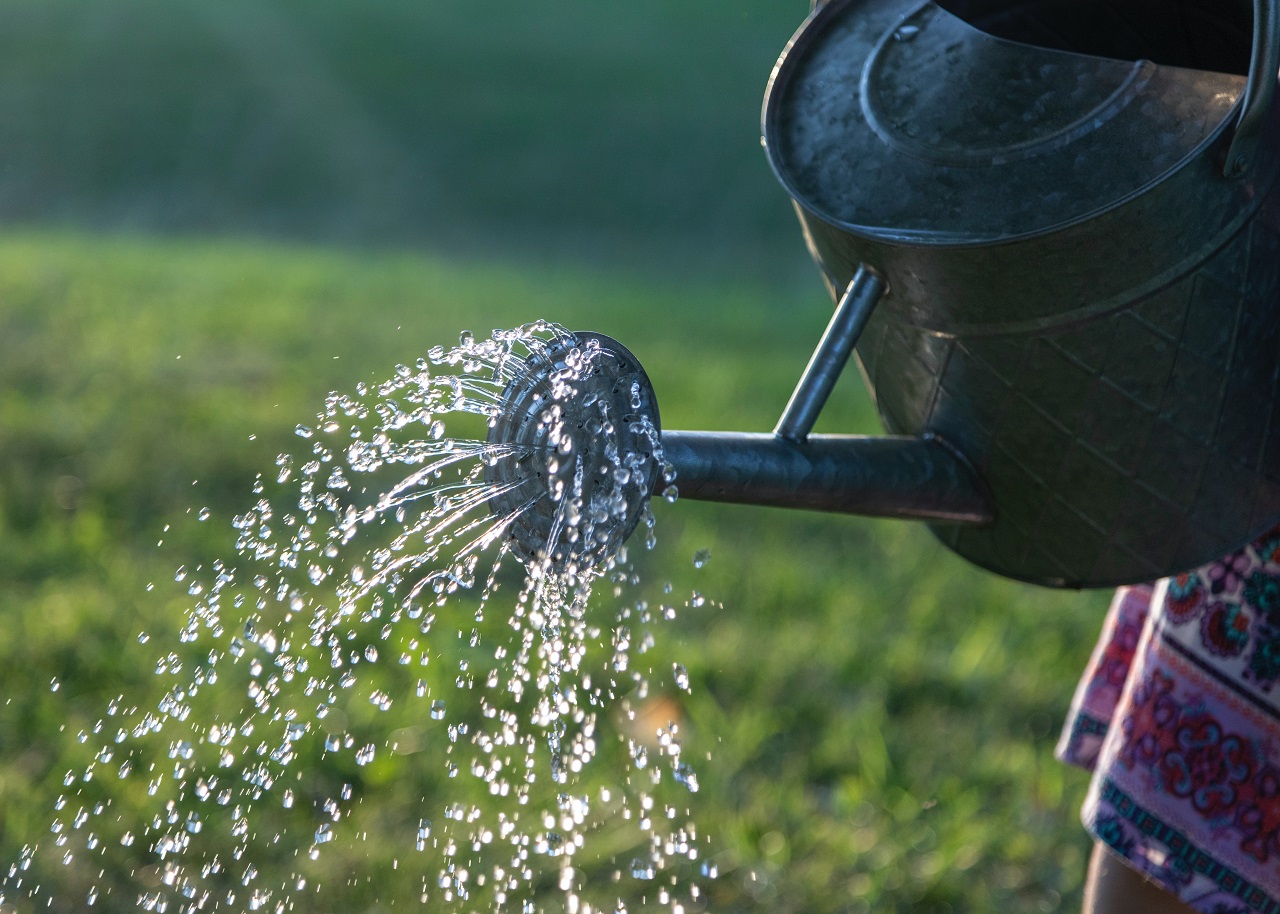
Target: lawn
x,y
218,213
872,719
541,129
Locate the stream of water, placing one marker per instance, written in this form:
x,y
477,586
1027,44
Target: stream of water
x,y
375,612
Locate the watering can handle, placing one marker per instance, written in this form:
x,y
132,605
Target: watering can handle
x,y
1255,103
828,360
902,476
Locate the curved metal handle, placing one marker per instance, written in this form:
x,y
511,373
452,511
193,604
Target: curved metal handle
x,y
1255,103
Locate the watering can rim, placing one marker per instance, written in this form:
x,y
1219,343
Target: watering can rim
x,y
1245,120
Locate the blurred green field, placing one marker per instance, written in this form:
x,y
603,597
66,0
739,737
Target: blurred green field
x,y
541,129
344,186
879,717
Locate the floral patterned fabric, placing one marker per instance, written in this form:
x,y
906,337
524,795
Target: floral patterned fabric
x,y
1178,717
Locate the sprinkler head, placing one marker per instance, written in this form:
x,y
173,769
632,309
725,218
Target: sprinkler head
x,y
575,452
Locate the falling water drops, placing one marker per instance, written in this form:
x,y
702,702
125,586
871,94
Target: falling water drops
x,y
371,569
681,677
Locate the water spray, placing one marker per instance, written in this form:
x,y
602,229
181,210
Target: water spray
x,y
579,431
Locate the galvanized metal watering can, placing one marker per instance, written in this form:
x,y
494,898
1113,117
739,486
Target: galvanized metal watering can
x,y
1060,272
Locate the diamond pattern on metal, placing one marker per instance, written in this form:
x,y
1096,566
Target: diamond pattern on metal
x,y
1142,441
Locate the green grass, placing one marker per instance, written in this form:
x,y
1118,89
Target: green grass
x,y
872,720
544,129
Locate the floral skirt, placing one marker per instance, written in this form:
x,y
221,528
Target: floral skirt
x,y
1178,718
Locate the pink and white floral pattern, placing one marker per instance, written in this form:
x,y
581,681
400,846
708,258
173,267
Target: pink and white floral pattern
x,y
1178,718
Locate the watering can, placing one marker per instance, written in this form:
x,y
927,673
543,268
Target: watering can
x,y
1054,245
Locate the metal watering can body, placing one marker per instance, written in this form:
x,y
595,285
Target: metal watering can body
x,y
1079,271
1061,274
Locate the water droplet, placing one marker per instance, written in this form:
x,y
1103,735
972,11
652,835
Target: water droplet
x,y
682,677
701,557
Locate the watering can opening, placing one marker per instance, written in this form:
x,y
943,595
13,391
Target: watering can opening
x,y
1192,34
981,121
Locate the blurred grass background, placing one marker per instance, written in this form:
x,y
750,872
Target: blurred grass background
x,y
216,213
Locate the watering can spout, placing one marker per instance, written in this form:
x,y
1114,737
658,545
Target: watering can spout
x,y
611,474
915,478
895,476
